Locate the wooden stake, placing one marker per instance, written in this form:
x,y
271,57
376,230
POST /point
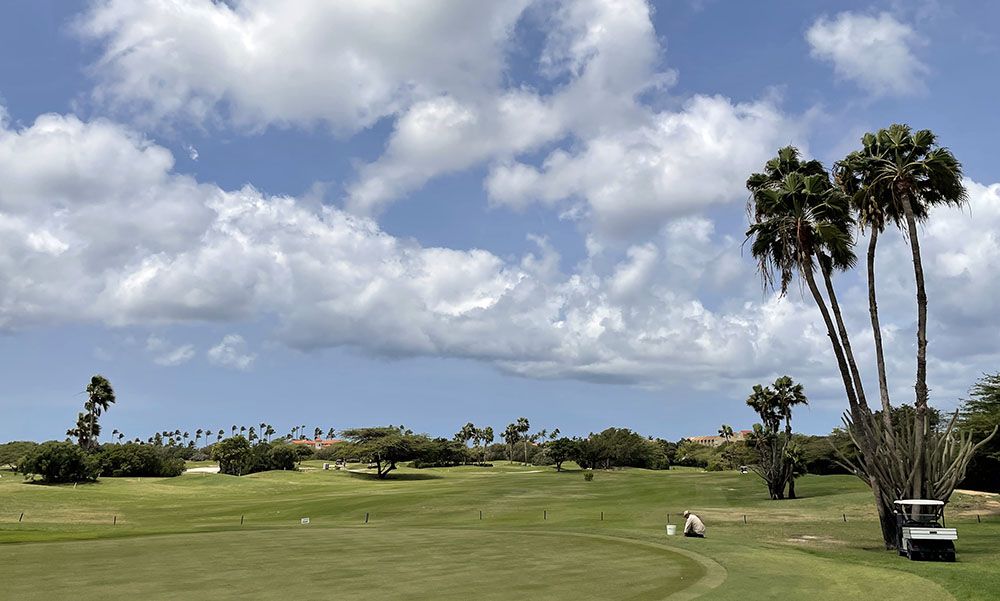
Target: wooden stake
x,y
241,519
366,517
22,517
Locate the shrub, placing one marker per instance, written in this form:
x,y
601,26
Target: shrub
x,y
57,462
588,476
132,460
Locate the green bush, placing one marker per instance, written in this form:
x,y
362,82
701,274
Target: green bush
x,y
588,476
136,460
57,462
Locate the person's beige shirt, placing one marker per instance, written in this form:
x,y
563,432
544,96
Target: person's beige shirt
x,y
694,524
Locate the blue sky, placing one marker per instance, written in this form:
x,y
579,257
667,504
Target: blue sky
x,y
440,212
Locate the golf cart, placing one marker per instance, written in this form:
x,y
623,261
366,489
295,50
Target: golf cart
x,y
920,533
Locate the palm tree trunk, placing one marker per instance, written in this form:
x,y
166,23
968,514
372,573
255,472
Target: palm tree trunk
x,y
883,386
838,351
920,387
844,338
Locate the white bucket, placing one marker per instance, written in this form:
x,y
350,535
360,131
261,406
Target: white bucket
x,y
671,529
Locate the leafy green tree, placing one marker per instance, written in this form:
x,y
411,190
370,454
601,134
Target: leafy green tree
x,y
562,450
384,446
235,456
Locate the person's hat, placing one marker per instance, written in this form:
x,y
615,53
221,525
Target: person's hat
x,y
687,513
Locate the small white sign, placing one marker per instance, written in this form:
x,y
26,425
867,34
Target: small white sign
x,y
305,520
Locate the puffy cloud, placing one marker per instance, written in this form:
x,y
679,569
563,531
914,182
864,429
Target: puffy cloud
x,y
148,246
607,52
231,352
166,355
673,164
874,51
255,63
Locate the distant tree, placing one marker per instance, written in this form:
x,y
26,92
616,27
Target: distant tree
x,y
385,447
561,450
486,435
980,416
774,461
219,435
330,433
511,435
197,436
726,432
522,429
57,462
235,456
317,433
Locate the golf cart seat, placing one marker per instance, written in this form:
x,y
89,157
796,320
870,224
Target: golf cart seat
x,y
920,530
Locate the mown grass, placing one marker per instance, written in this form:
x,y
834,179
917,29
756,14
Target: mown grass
x,y
425,539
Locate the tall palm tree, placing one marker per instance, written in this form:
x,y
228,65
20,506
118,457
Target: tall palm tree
x,y
898,176
726,432
510,436
522,429
219,435
802,224
486,435
197,436
100,397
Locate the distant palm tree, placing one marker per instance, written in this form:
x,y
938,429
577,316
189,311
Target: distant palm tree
x,y
197,436
486,435
726,432
522,429
219,435
330,433
100,397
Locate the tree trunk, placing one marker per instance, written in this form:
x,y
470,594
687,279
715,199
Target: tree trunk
x,y
883,386
838,351
920,387
844,338
791,487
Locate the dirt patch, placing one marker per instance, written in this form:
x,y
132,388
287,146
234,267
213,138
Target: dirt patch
x,y
808,539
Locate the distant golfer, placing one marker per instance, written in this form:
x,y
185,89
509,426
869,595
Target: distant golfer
x,y
693,526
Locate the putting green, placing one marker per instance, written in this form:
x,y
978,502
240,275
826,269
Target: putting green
x,y
356,563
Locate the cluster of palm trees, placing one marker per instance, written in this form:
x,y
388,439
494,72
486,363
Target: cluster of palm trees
x,y
260,433
805,221
777,455
514,433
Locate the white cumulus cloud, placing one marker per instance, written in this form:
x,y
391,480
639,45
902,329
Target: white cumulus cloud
x,y
874,51
231,352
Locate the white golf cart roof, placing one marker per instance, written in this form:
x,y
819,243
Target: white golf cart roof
x,y
929,502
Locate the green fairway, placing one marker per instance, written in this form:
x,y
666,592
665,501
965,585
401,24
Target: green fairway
x,y
541,536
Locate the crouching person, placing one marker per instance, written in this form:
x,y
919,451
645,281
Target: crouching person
x,y
693,526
